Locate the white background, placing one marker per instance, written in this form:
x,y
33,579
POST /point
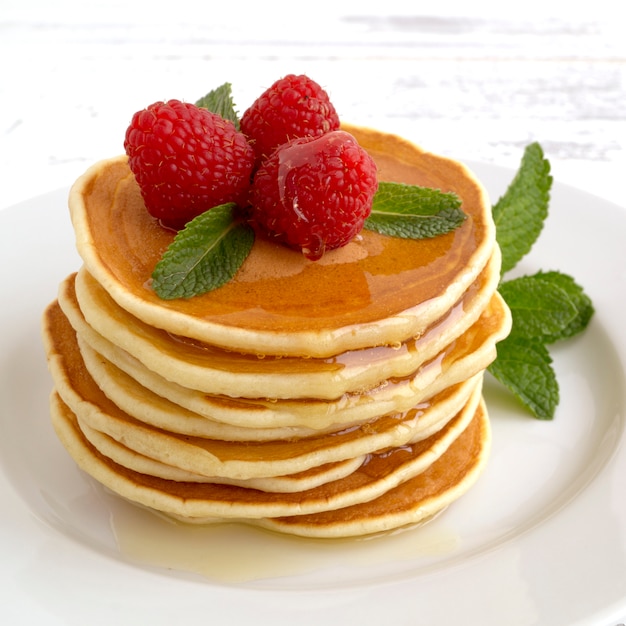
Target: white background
x,y
475,80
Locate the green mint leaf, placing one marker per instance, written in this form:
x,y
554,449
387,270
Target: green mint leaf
x,y
579,299
545,307
220,101
525,368
520,213
204,255
413,212
539,306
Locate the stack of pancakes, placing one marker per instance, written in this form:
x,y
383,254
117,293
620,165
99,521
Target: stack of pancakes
x,y
333,398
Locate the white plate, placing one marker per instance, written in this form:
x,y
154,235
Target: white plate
x,y
541,539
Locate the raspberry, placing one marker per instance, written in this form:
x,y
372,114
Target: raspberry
x,y
314,193
187,160
293,107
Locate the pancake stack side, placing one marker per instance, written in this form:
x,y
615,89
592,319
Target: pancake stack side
x,y
335,398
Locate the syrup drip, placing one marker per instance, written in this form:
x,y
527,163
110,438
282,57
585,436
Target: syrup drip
x,y
233,553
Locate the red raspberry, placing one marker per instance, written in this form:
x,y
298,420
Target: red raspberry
x,y
314,193
187,160
293,107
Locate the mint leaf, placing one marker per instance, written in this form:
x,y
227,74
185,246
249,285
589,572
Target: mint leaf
x,y
580,301
413,212
539,306
220,101
520,213
545,307
204,255
525,367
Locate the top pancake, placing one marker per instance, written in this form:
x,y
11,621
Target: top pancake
x,y
377,290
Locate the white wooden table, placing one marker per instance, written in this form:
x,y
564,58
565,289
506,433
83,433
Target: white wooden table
x,y
465,79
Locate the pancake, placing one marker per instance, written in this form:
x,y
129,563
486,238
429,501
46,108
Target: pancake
x,y
215,371
341,397
290,483
375,291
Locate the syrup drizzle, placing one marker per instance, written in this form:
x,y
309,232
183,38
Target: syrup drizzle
x,y
232,553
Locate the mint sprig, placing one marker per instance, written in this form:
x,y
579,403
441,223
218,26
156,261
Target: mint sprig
x,y
546,307
206,254
413,212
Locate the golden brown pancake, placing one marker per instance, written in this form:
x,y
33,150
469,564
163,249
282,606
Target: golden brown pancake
x,y
377,290
289,483
333,398
216,371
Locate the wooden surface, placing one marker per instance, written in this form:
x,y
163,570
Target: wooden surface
x,y
464,79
